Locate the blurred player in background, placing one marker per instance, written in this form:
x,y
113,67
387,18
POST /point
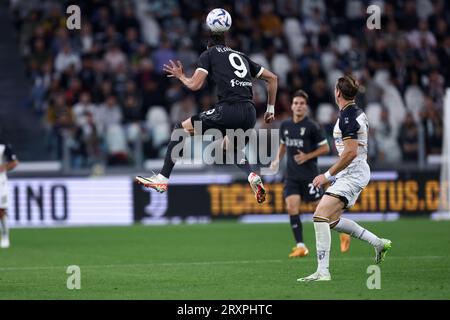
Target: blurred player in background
x,y
350,175
8,162
232,72
304,141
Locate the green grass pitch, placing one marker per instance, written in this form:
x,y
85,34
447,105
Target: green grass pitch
x,y
220,261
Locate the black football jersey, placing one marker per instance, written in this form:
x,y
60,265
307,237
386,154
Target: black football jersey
x,y
232,72
305,136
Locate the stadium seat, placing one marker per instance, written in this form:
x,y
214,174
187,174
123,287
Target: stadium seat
x,y
328,61
116,144
414,100
332,77
281,65
325,112
158,124
373,112
294,35
344,43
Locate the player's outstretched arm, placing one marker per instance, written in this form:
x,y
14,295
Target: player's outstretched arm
x,y
194,83
350,152
272,86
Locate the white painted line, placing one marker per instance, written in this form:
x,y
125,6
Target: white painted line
x,y
207,263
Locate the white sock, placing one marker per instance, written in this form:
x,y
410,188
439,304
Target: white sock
x,y
355,230
163,179
300,245
323,245
4,224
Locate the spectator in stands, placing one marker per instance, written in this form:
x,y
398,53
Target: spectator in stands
x,y
39,55
84,109
115,58
59,119
108,114
432,123
309,42
183,109
409,139
132,118
67,58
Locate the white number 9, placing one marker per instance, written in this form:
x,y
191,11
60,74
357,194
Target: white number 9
x,y
241,69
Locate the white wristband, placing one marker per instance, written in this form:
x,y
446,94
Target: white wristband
x,y
327,175
270,108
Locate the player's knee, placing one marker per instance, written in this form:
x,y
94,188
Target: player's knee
x,y
321,214
292,209
2,212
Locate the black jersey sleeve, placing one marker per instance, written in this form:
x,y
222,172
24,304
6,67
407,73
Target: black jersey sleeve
x,y
349,125
204,62
9,154
318,135
282,137
255,69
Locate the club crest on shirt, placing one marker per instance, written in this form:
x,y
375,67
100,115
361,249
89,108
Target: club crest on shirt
x,y
302,131
286,132
346,120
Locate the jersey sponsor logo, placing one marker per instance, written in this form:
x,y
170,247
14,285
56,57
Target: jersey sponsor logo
x,y
238,83
294,142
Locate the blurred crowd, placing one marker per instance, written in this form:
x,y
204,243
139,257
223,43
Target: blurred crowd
x,y
101,90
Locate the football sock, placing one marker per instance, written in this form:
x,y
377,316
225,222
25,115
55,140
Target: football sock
x,y
238,157
355,230
323,243
297,228
244,166
169,163
4,225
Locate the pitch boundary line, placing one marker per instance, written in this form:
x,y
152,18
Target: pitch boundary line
x,y
200,263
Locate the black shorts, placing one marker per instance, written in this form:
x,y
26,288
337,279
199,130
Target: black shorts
x,y
227,116
305,189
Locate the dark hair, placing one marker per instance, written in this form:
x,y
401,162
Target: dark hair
x,y
348,86
302,94
216,39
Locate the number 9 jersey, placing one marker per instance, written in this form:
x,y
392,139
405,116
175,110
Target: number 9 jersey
x,y
232,71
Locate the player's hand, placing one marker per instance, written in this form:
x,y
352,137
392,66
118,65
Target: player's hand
x,y
174,70
274,165
319,181
269,117
301,157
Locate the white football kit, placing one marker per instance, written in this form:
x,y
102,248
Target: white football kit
x,y
6,154
351,124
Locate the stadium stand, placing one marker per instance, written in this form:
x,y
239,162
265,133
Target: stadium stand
x,y
105,82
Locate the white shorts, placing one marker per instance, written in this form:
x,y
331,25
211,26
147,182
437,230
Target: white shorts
x,y
350,182
3,195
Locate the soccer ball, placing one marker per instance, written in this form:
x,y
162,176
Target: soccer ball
x,y
218,20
